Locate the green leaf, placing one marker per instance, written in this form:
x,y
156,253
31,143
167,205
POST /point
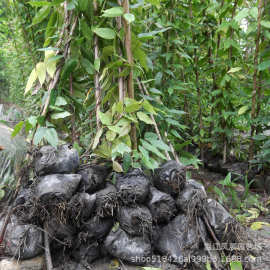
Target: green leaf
x,y
39,135
97,138
106,33
97,64
129,17
88,66
242,14
68,68
2,193
41,15
242,110
254,12
148,107
117,167
159,144
133,106
60,115
41,72
235,69
39,3
255,226
151,35
32,120
265,24
45,3
235,265
83,4
208,266
105,118
51,136
86,30
110,135
121,148
32,78
17,129
124,130
60,101
113,12
145,118
152,149
264,65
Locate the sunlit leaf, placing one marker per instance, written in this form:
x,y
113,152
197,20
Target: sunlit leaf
x,y
145,118
97,138
113,12
60,115
106,33
129,17
41,72
117,167
32,78
243,109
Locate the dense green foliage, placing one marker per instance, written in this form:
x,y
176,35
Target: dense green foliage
x,y
199,70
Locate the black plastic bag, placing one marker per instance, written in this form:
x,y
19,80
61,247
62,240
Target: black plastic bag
x,y
136,221
24,197
49,160
81,206
93,178
179,239
219,219
96,228
106,201
162,206
71,265
133,187
134,250
170,177
191,196
61,186
23,241
85,251
59,231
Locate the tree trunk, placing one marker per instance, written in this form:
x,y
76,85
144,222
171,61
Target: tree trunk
x,y
96,77
255,84
130,85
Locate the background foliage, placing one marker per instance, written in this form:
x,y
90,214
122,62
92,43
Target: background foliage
x,y
137,85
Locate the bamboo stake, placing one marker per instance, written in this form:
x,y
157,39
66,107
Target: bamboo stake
x,y
120,79
255,85
96,77
130,86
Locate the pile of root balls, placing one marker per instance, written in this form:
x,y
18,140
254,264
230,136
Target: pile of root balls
x,y
89,212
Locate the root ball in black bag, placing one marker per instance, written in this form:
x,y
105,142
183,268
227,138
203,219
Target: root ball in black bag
x,y
49,160
191,196
93,178
161,205
170,177
136,221
61,186
23,241
81,206
220,220
106,201
132,187
59,231
134,250
179,239
96,228
85,251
